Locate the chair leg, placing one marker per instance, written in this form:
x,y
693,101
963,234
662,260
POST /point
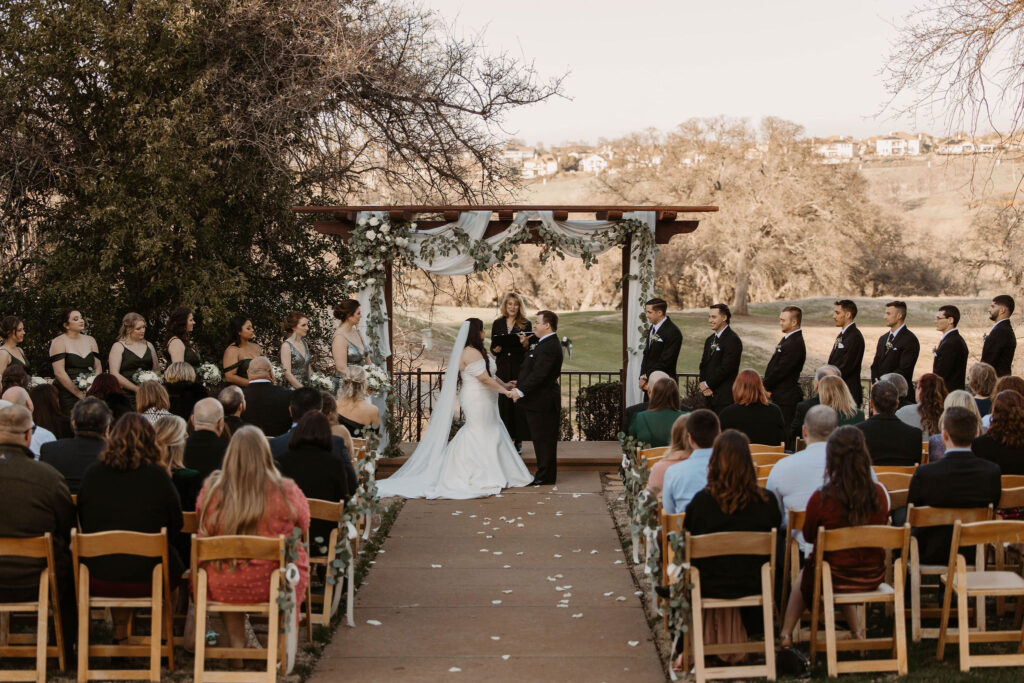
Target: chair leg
x,y
899,621
963,630
156,624
830,622
698,630
947,598
915,594
42,621
273,629
200,650
83,624
767,590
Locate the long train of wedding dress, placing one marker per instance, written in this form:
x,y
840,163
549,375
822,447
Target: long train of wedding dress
x,y
479,461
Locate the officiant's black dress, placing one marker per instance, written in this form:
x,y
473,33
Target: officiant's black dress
x,y
507,362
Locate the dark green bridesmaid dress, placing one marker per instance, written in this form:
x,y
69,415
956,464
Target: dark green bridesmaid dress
x,y
132,363
74,366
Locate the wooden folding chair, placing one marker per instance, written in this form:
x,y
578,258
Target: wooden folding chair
x,y
893,469
669,523
791,556
924,452
359,449
1012,481
158,602
893,481
981,584
766,458
768,448
225,548
924,517
874,536
190,523
330,512
800,444
898,498
45,606
649,456
732,543
763,470
1008,557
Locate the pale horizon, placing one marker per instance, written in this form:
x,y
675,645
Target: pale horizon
x,y
660,63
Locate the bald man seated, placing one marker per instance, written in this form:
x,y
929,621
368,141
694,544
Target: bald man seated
x,y
205,447
40,435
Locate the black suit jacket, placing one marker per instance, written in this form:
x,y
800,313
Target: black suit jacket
x,y
1009,459
891,441
782,376
266,407
847,355
279,448
662,353
900,357
204,452
719,368
999,347
959,480
72,457
951,360
538,376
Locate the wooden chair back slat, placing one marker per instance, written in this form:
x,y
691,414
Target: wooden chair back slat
x,y
730,543
1012,498
768,448
865,536
1012,481
924,452
119,543
239,548
897,469
190,523
998,531
898,498
926,516
325,510
894,480
33,546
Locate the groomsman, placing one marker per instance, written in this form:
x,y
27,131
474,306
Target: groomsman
x,y
663,342
897,349
1000,342
782,376
848,349
951,354
720,362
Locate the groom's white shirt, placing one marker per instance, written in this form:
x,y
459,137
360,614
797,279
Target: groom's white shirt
x,y
521,394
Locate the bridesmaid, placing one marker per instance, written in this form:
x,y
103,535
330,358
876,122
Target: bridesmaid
x,y
508,358
295,351
131,353
178,341
241,351
12,331
347,346
72,353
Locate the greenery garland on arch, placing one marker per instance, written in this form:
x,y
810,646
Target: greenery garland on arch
x,y
377,241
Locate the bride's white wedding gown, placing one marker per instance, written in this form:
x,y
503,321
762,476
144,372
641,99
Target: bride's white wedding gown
x,y
480,461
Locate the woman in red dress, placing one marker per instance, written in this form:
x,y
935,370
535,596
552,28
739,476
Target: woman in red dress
x,y
849,497
248,496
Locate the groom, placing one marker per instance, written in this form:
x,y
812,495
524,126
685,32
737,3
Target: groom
x,y
539,398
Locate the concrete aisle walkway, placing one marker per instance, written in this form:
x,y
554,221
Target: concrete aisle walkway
x,y
531,586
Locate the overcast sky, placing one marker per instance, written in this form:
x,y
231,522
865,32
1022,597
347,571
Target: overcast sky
x,y
647,63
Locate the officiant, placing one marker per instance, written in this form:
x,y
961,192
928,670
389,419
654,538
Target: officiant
x,y
510,337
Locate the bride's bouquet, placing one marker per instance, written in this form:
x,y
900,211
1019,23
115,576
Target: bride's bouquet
x,y
141,376
209,374
377,380
85,380
320,382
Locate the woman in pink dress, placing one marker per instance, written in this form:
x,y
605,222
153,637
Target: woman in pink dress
x,y
248,496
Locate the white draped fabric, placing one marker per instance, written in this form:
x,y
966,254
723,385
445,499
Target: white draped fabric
x,y
475,223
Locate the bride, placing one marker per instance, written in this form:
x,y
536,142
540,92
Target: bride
x,y
481,460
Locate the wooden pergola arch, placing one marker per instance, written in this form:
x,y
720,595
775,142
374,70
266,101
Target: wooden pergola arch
x,y
340,221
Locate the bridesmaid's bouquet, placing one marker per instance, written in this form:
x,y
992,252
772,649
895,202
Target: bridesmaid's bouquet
x,y
209,374
320,382
85,380
141,376
377,380
278,372
36,381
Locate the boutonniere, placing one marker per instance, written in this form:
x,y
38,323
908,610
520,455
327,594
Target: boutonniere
x,y
935,351
655,337
984,337
888,345
778,349
714,346
839,342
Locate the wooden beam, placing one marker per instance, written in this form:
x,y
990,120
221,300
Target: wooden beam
x,y
627,248
663,232
440,209
389,305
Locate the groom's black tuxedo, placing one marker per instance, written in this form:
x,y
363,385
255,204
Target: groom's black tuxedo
x,y
541,403
662,350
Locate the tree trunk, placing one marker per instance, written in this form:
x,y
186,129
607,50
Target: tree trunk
x,y
739,302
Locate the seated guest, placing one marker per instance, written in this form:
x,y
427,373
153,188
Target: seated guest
x,y
248,496
902,388
960,480
107,388
305,401
90,419
171,437
182,388
849,497
46,411
35,501
678,450
1003,443
1004,383
648,386
795,478
836,395
354,408
890,441
803,406
14,376
961,399
310,463
654,425
40,435
329,407
981,382
683,480
752,413
266,405
233,401
129,490
931,393
731,501
152,401
204,448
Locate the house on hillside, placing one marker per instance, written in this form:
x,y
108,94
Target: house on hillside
x,y
898,145
955,146
836,149
540,166
593,163
516,155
